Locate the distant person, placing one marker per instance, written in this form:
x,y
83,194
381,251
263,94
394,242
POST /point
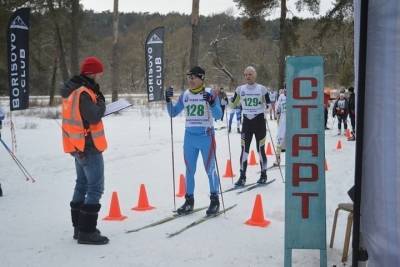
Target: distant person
x,y
201,105
273,95
253,97
281,111
236,110
341,110
352,113
2,116
326,107
83,106
224,101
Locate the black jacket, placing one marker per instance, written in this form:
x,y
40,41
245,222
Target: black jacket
x,y
91,112
352,103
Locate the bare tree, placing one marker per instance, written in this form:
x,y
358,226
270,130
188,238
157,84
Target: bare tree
x,y
283,44
115,55
217,61
194,51
74,37
60,45
53,81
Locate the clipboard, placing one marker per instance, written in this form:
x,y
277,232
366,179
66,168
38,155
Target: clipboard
x,y
116,106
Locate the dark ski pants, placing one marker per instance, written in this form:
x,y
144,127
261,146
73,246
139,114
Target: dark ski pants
x,y
326,117
223,112
353,121
342,118
255,126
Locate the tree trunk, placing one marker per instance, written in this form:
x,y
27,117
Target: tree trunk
x,y
194,51
184,64
115,55
283,45
53,81
75,37
60,46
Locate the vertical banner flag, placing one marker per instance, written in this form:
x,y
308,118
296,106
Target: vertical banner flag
x,y
18,59
155,64
305,207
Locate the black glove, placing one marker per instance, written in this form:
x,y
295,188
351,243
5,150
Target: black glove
x,y
100,96
208,98
169,93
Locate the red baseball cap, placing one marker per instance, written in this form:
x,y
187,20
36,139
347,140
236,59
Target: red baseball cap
x,y
91,65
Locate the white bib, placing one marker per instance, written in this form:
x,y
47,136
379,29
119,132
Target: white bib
x,y
252,98
197,110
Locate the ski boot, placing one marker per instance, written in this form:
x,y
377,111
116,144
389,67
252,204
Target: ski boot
x,y
238,130
187,207
263,177
229,129
214,205
242,179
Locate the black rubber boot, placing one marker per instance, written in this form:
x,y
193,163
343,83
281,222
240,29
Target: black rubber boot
x,y
75,211
214,205
242,179
187,207
88,234
263,177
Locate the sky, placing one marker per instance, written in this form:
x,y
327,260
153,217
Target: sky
x,y
207,7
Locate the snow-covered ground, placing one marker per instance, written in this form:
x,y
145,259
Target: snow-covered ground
x,y
35,227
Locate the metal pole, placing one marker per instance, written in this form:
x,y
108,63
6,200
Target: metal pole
x,y
362,63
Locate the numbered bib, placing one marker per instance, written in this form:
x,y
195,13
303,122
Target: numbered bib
x,y
252,98
196,110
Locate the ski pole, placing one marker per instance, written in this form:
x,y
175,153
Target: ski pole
x,y
213,146
229,140
21,167
273,146
172,154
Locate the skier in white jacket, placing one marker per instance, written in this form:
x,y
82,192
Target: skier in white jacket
x,y
280,108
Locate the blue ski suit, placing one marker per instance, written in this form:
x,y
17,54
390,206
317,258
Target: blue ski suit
x,y
199,135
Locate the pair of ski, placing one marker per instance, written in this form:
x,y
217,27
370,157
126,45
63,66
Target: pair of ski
x,y
176,216
248,187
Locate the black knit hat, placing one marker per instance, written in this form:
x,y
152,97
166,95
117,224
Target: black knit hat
x,y
198,72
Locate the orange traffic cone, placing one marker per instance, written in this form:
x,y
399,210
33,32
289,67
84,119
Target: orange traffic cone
x,y
268,152
339,145
347,133
252,160
326,165
257,217
143,202
182,186
228,170
115,211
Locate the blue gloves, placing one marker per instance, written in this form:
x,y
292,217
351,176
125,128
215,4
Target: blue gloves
x,y
208,98
169,93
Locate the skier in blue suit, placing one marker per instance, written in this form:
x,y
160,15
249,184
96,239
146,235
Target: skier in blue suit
x,y
201,106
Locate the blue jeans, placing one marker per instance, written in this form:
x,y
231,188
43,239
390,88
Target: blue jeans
x,y
89,178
